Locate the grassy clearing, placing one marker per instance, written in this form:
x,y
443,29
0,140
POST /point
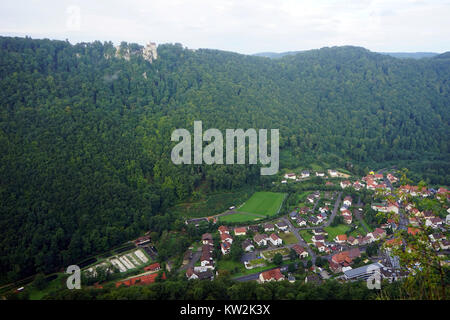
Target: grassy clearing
x,y
264,203
288,238
306,235
334,231
51,286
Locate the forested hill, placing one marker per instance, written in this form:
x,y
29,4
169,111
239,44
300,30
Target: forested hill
x,y
85,134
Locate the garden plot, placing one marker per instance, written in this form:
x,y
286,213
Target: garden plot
x,y
118,264
126,262
132,258
141,256
93,270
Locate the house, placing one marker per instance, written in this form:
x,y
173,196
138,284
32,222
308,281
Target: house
x,y
153,267
310,198
302,253
345,184
253,229
271,275
142,240
391,178
206,257
290,176
318,238
304,210
322,217
225,247
282,225
445,245
377,234
225,237
276,240
344,259
436,237
313,220
413,231
224,229
371,185
319,231
320,246
346,212
434,222
293,215
332,173
260,239
324,209
392,207
352,241
301,222
205,275
348,219
378,176
348,201
269,227
341,238
329,183
320,174
207,238
357,185
247,245
241,231
305,174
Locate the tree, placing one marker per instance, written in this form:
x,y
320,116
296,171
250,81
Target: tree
x,y
278,259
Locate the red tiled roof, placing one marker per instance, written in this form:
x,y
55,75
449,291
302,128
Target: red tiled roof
x,y
147,279
153,267
272,274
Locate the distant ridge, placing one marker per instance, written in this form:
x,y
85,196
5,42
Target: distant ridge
x,y
399,55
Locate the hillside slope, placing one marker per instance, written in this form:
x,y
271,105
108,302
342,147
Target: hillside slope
x,y
85,134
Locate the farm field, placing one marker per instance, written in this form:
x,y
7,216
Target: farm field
x,y
263,203
240,217
259,206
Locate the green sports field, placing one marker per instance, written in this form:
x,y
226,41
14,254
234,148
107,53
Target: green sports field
x,y
263,203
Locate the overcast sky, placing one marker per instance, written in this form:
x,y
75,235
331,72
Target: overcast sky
x,y
242,26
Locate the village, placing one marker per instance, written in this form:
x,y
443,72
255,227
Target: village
x,y
328,235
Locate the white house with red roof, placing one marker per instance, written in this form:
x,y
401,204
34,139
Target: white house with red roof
x,y
271,275
275,240
341,238
224,229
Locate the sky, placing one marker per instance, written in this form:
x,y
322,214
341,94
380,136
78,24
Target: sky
x,y
244,26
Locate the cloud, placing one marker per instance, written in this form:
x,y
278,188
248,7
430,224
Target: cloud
x,y
245,26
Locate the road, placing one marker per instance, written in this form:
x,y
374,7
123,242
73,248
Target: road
x,y
195,256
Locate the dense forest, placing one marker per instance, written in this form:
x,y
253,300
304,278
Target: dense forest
x,y
85,133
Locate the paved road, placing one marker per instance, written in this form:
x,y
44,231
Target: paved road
x,y
195,256
301,241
